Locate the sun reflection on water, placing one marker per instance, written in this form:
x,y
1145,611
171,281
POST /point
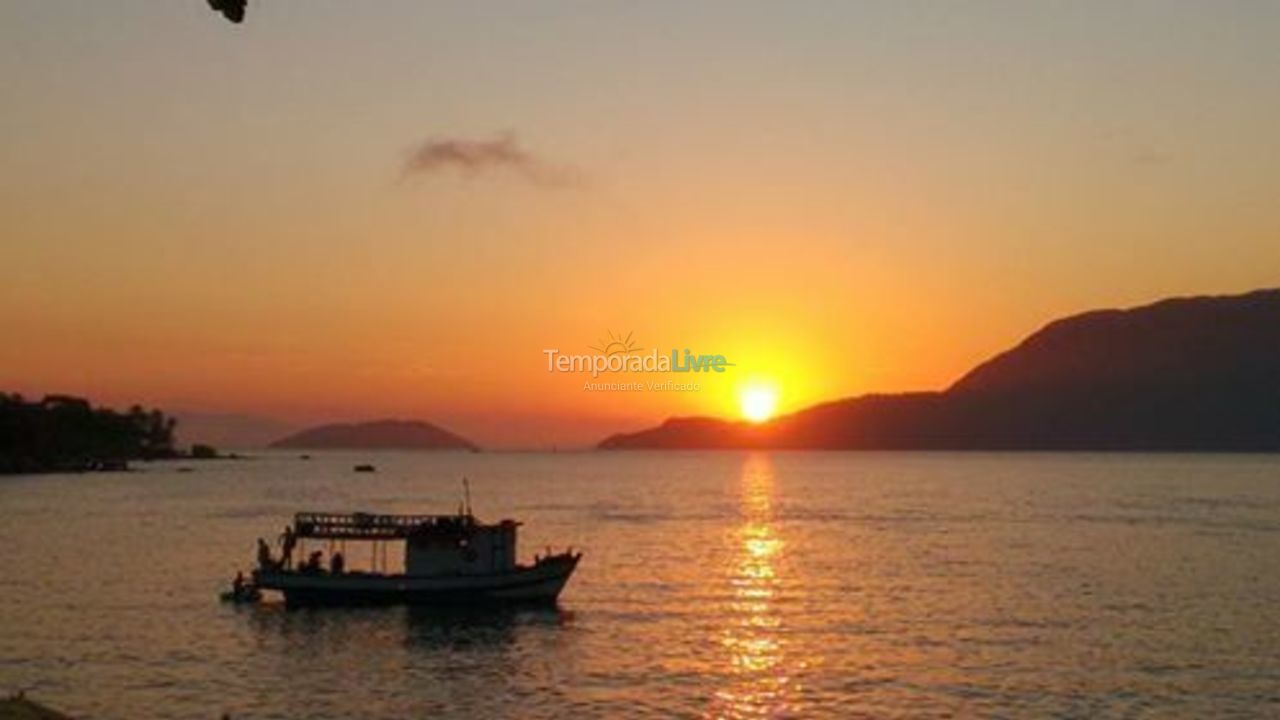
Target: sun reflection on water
x,y
759,678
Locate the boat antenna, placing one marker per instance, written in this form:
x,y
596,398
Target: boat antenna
x,y
466,494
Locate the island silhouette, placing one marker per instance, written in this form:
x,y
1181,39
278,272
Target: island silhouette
x,y
1194,374
376,435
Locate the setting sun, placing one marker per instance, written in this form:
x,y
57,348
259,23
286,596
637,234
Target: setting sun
x,y
758,403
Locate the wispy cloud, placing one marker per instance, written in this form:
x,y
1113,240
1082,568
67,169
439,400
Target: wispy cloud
x,y
502,153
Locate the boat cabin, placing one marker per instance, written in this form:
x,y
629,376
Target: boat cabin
x,y
434,545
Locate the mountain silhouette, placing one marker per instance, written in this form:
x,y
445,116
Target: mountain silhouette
x,y
1195,374
378,434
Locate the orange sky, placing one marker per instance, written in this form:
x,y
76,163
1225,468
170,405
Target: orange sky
x,y
841,198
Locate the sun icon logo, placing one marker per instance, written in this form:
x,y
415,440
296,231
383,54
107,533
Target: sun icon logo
x,y
616,345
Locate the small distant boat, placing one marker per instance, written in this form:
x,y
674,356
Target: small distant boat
x,y
448,560
365,468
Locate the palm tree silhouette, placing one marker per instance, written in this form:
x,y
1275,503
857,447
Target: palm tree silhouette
x,y
232,10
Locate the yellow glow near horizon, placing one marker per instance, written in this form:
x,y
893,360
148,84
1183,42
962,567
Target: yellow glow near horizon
x,y
759,403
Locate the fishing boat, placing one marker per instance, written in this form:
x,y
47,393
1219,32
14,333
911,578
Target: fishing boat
x,y
447,559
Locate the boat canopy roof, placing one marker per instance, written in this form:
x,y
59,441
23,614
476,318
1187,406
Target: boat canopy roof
x,y
368,526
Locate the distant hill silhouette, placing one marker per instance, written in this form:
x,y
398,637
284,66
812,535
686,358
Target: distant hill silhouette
x,y
378,434
1199,373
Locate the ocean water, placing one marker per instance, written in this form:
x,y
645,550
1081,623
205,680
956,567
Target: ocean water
x,y
733,585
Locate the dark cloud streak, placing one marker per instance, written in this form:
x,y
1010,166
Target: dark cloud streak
x,y
473,157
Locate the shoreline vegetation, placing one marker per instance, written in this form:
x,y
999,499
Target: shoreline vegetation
x,y
66,434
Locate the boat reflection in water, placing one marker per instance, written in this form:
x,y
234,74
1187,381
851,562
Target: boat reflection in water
x,y
761,669
414,661
411,628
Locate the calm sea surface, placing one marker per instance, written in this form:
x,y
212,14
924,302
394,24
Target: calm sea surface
x,y
713,585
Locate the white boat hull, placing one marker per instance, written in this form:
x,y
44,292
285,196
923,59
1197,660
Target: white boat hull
x,y
540,583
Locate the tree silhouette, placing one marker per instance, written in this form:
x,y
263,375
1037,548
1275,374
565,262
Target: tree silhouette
x,y
232,10
65,433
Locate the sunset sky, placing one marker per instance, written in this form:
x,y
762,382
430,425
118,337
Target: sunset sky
x,y
341,211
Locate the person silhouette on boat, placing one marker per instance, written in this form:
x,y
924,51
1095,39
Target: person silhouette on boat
x,y
264,555
287,541
337,563
312,564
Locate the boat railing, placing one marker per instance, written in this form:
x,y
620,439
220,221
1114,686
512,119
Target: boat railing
x,y
369,526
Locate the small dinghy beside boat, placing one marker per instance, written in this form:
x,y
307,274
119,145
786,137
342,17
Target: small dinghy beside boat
x,y
241,592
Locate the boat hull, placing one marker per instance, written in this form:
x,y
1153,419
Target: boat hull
x,y
536,584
